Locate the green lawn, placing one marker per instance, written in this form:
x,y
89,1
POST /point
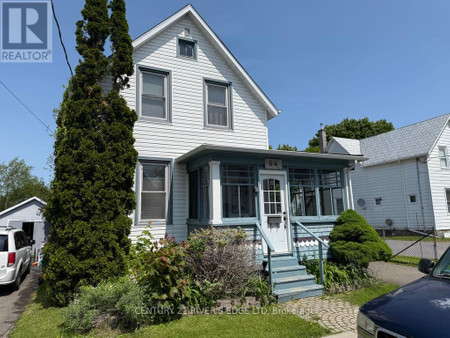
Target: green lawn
x,y
42,320
406,260
361,296
243,325
415,238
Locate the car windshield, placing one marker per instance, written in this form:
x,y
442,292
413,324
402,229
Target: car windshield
x,y
3,243
442,268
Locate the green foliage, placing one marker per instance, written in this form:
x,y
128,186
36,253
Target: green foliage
x,y
159,267
351,128
220,261
287,147
260,287
362,296
17,184
91,194
337,275
354,241
114,304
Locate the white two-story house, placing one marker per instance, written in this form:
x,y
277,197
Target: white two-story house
x,y
202,139
405,183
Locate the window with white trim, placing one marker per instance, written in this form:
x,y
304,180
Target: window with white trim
x,y
154,100
443,157
154,190
217,104
447,196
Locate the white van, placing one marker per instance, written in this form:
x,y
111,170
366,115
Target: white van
x,y
15,256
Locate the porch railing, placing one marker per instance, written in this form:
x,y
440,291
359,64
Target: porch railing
x,y
270,249
322,244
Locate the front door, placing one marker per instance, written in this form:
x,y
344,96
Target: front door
x,y
273,211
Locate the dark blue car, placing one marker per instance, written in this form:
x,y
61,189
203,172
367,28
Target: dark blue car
x,y
418,309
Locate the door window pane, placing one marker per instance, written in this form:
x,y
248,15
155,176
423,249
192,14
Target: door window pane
x,y
272,196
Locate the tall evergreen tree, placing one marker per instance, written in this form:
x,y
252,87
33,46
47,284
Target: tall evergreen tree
x,y
91,194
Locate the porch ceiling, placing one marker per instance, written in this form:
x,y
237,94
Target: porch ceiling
x,y
206,149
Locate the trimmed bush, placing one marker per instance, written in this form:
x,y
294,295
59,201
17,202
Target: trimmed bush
x,y
355,241
221,262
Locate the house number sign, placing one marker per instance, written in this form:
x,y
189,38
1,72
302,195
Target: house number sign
x,y
273,164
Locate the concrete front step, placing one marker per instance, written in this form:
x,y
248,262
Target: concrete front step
x,y
286,295
293,282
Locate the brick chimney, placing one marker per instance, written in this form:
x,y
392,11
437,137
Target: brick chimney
x,y
322,139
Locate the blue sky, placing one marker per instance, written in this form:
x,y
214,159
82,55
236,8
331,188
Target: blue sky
x,y
318,61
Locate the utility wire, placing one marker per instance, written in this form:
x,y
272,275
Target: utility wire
x,y
60,38
26,107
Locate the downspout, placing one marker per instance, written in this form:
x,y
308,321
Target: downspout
x,y
420,194
404,192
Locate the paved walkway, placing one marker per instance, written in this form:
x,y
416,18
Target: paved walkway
x,y
329,312
394,273
422,249
13,303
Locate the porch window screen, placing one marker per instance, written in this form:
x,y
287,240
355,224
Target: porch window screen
x,y
238,190
193,194
330,192
303,192
204,192
154,189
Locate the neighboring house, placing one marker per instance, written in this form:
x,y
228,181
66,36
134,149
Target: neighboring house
x,y
202,139
405,183
28,216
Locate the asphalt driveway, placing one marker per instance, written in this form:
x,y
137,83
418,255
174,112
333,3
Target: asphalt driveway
x,y
13,303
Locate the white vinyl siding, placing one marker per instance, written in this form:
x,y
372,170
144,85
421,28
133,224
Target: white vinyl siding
x,y
386,182
440,181
187,113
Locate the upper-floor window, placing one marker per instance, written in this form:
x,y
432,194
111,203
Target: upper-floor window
x,y
218,110
154,190
447,196
443,157
187,48
154,100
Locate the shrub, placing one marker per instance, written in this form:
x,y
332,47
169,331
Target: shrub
x,y
355,241
338,275
159,268
116,304
221,262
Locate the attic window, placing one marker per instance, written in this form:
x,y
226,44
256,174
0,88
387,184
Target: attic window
x,y
187,48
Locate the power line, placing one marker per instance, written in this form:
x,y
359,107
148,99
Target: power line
x,y
60,38
26,107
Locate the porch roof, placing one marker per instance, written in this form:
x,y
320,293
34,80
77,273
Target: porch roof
x,y
206,149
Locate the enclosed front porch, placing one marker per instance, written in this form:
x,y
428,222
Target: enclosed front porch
x,y
287,202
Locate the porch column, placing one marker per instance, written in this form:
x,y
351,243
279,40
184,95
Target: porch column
x,y
215,195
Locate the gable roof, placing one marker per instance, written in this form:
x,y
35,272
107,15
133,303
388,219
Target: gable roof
x,y
37,199
226,53
415,140
345,145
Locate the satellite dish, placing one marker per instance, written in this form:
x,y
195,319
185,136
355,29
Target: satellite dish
x,y
361,202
